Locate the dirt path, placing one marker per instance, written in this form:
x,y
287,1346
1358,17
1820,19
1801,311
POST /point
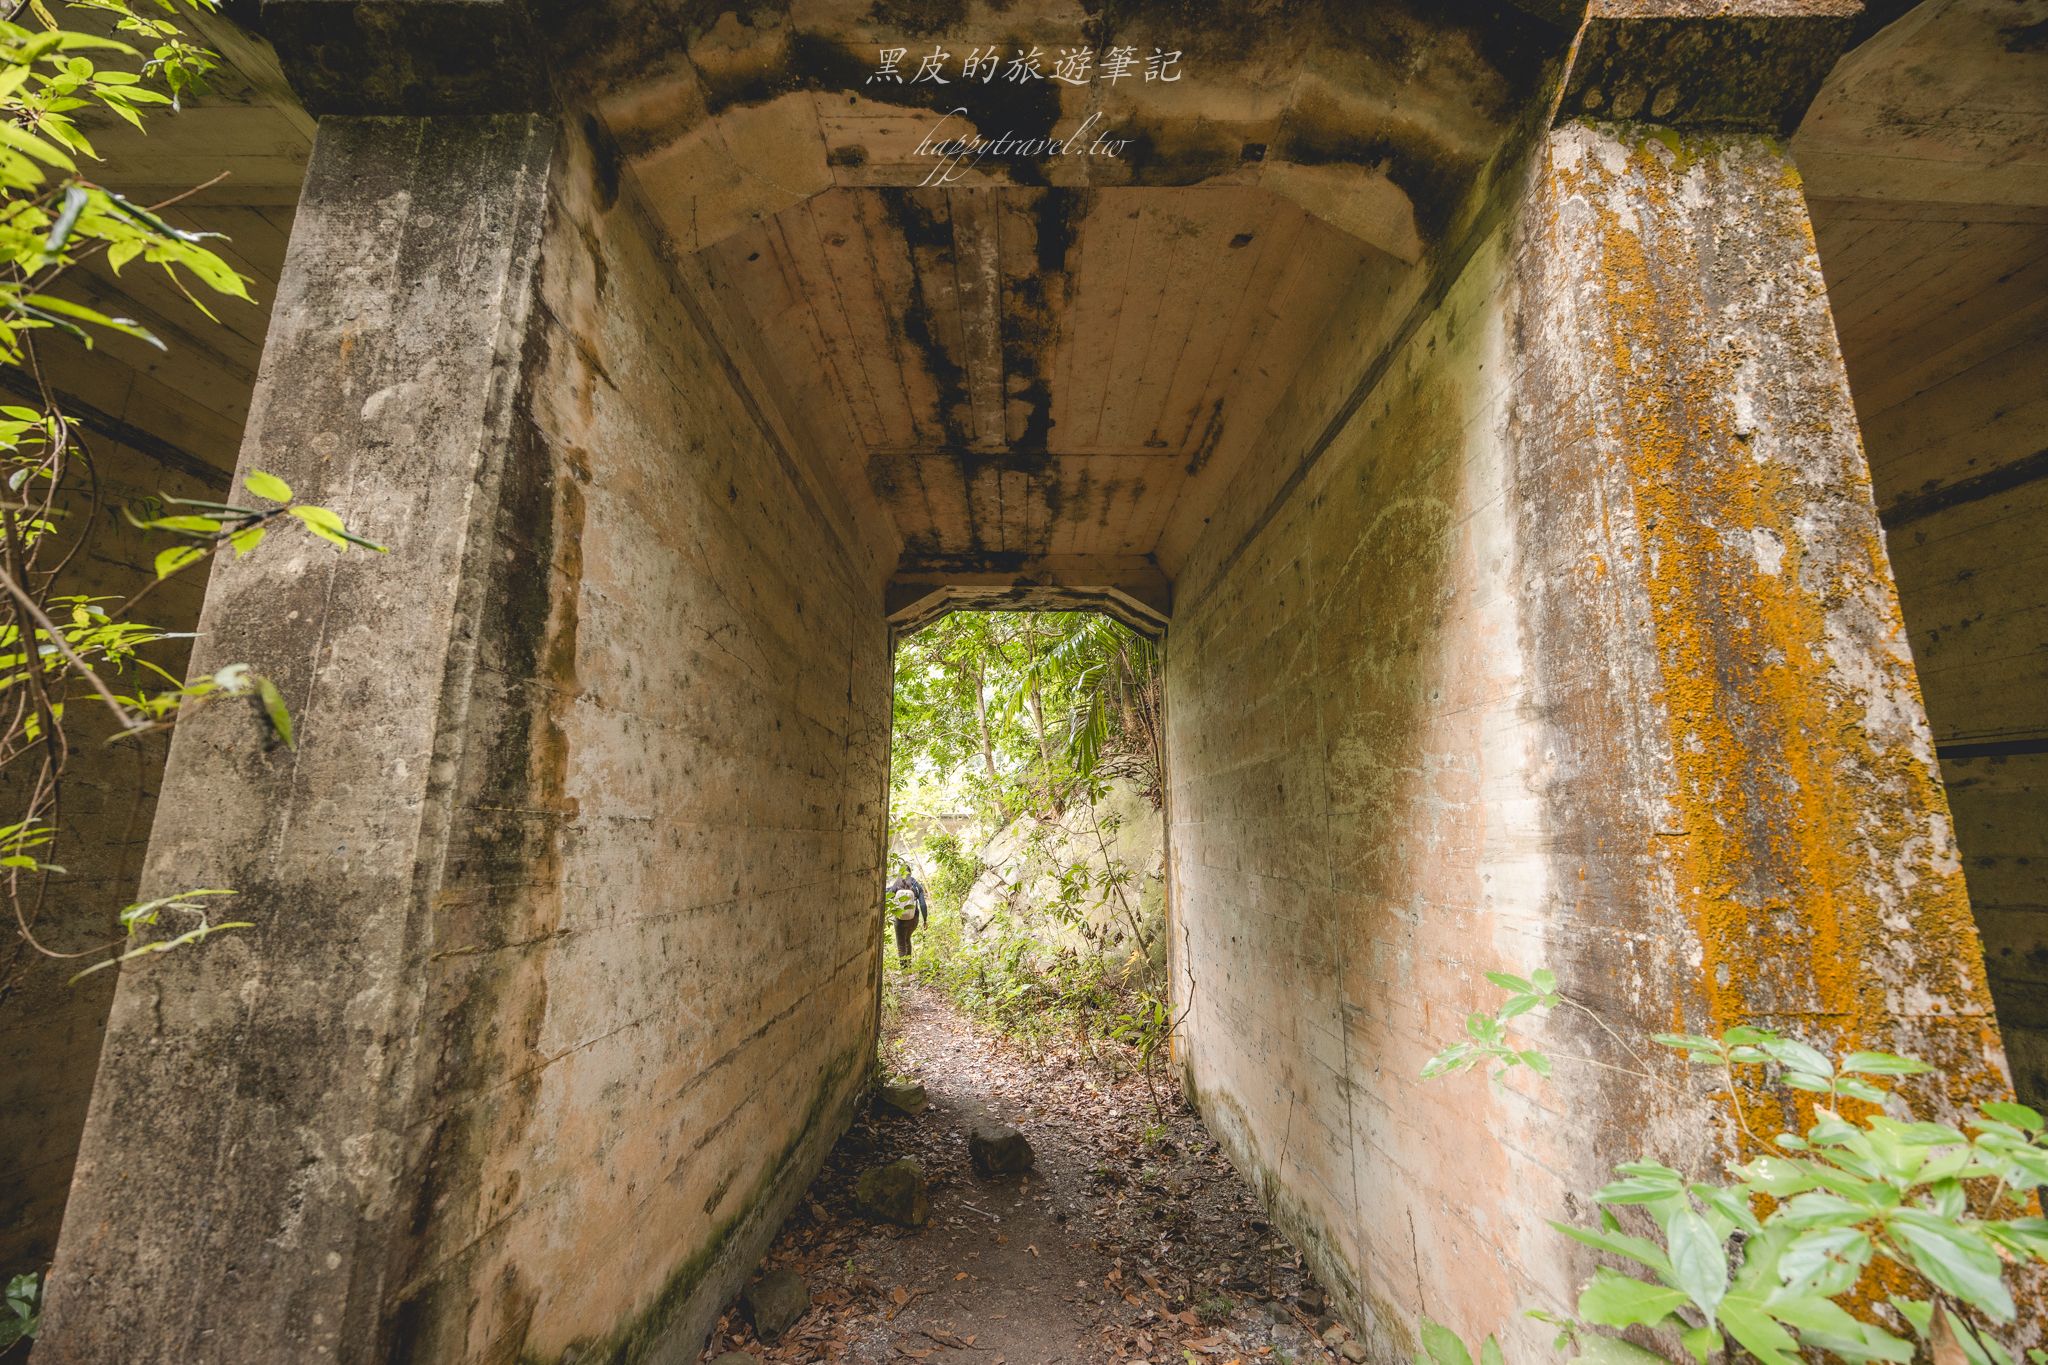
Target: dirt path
x,y
1128,1242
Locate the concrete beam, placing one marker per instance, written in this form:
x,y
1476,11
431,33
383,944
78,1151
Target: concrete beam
x,y
410,56
1131,588
1752,65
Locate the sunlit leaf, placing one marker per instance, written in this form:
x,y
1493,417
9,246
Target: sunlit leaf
x,y
269,486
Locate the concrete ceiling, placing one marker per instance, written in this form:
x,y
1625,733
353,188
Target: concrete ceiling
x,y
1034,372
1058,363
1926,164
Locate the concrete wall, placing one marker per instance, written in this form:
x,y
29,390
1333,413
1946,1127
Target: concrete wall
x,y
654,978
566,972
1574,646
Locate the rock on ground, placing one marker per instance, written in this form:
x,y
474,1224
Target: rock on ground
x,y
775,1302
907,1098
999,1149
894,1192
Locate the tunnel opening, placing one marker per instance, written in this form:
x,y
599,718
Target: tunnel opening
x,y
1027,802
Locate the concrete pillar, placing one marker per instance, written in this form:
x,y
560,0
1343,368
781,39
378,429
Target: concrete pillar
x,y
241,1181
1741,773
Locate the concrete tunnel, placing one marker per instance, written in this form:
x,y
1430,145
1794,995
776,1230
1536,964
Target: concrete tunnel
x,y
1583,464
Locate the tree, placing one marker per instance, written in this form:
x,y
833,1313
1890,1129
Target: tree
x,y
1037,704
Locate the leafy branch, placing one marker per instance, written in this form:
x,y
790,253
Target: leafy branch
x,y
1772,1259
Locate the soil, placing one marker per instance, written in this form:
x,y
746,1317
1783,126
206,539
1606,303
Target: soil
x,y
1132,1240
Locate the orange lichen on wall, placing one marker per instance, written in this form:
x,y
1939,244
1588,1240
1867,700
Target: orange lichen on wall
x,y
1806,832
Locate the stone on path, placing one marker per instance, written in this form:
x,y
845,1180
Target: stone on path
x,y
775,1302
905,1098
999,1149
895,1193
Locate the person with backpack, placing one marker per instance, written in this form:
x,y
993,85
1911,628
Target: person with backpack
x,y
904,902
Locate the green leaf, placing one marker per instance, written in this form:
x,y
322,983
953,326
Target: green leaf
x,y
1955,1259
1441,1345
1918,1312
1513,985
1825,1324
1825,1261
2020,1116
1883,1064
203,932
1453,1058
2021,1236
1645,1181
1749,1323
274,708
327,525
177,557
191,525
1489,1353
1797,1056
270,486
1599,1350
1639,1249
1817,1209
29,144
1702,1343
247,539
1699,1264
1611,1299
1731,1204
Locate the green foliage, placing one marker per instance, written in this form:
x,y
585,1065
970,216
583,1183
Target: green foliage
x,y
1440,1346
954,872
1007,979
1021,718
1769,1258
53,216
24,1310
1018,710
61,649
1106,678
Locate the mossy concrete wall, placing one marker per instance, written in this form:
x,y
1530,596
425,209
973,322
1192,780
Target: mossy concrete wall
x,y
1576,647
565,967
